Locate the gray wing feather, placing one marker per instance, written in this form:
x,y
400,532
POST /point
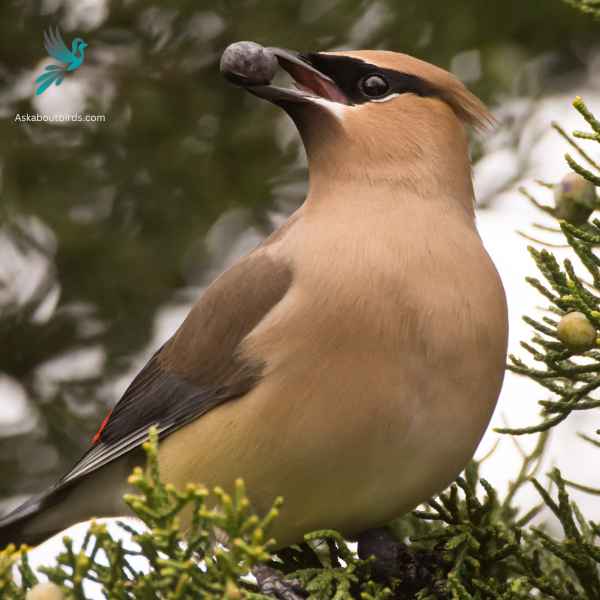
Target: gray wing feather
x,y
199,368
56,47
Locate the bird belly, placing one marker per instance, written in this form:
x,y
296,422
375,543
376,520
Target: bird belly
x,y
346,452
365,407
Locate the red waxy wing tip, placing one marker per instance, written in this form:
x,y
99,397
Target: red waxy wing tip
x,y
96,437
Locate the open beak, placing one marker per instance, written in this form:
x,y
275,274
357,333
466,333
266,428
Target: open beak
x,y
309,84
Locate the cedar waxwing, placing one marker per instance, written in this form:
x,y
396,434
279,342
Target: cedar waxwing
x,y
351,362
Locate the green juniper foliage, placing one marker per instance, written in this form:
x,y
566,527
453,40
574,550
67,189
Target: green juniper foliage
x,y
198,568
565,347
467,544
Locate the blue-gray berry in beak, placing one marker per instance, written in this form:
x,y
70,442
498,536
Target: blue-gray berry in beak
x,y
254,67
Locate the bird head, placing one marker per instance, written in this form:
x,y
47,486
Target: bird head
x,y
77,45
370,115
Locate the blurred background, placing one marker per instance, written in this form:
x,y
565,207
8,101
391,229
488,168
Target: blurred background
x,y
109,231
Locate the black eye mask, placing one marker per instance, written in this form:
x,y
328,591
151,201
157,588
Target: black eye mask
x,y
348,72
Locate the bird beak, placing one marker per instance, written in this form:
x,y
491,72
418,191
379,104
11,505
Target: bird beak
x,y
309,84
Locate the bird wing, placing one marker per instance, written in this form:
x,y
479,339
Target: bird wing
x,y
56,47
199,368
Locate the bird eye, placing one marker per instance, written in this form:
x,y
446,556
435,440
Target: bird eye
x,y
374,86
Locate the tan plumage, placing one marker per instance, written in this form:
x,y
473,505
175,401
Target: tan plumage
x,y
352,361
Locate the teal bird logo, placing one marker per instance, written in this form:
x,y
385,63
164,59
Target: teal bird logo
x,y
71,59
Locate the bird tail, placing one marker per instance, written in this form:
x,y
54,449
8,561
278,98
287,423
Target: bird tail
x,y
34,521
52,74
67,503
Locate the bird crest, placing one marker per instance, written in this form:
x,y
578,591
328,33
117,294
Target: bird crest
x,y
70,60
